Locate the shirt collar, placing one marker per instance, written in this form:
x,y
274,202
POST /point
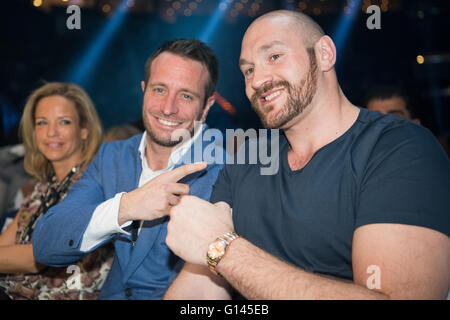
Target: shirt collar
x,y
177,153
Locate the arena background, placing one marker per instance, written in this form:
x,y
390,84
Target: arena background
x,y
107,54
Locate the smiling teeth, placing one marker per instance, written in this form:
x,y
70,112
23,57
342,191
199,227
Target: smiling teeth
x,y
168,123
273,95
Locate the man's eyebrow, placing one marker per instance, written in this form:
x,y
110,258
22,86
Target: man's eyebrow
x,y
157,83
161,84
270,45
242,61
263,48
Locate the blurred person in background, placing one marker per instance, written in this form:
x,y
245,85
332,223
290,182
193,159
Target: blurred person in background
x,y
391,100
397,101
121,132
62,133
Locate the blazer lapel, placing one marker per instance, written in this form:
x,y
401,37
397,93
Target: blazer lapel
x,y
128,182
146,240
151,230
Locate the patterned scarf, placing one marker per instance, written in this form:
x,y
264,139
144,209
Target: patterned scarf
x,y
54,193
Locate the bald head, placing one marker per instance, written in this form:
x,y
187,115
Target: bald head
x,y
308,30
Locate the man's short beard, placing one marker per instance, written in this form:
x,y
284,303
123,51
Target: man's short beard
x,y
299,97
163,142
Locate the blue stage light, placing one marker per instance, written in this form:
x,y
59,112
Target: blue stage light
x,y
214,20
80,71
345,23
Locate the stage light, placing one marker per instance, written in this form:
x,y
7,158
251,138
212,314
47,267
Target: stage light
x,y
37,3
80,71
254,6
214,21
420,59
302,5
344,25
106,8
176,5
225,104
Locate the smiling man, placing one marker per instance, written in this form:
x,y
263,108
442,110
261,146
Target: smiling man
x,y
131,185
357,210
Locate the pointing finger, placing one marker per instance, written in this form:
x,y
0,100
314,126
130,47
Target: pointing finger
x,y
182,171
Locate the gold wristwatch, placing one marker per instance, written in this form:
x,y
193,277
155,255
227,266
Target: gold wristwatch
x,y
217,249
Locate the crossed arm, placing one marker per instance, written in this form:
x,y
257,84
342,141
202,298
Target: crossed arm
x,y
413,262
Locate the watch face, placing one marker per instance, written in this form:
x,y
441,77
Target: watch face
x,y
216,249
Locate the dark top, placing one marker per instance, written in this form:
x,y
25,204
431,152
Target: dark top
x,y
384,169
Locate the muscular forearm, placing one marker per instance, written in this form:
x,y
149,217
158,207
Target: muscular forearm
x,y
18,259
259,275
196,282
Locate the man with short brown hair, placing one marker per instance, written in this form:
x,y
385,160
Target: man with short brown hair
x,y
125,194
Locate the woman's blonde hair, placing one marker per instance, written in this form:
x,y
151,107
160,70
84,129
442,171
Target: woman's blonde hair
x,y
35,162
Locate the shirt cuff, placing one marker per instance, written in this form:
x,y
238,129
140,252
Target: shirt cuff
x,y
103,224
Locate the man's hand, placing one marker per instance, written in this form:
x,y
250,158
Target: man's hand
x,y
155,198
194,224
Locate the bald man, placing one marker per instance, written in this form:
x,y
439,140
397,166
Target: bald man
x,y
358,209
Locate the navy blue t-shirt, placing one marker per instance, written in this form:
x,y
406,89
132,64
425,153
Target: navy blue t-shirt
x,y
384,169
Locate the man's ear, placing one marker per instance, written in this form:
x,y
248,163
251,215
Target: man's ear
x,y
143,86
208,105
325,53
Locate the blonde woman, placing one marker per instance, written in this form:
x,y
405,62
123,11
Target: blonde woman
x,y
61,133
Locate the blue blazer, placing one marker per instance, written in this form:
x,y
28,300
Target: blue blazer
x,y
142,272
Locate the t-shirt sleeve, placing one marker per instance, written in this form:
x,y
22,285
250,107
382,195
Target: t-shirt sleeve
x,y
222,189
406,181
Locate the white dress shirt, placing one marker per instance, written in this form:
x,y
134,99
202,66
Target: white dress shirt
x,y
104,221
